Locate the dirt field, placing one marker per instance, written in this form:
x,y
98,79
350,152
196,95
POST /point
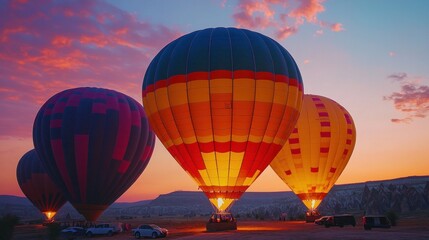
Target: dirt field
x,y
409,228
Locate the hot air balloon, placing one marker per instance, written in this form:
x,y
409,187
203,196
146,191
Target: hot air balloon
x,y
37,186
223,101
317,151
95,143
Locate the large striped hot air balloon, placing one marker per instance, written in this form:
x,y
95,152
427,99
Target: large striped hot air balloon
x,y
317,151
95,143
223,101
37,186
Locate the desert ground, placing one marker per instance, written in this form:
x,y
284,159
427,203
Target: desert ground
x,y
194,228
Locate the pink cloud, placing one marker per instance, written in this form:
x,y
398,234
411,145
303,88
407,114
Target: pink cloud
x,y
413,99
283,17
254,14
285,32
307,9
49,46
392,54
403,120
337,27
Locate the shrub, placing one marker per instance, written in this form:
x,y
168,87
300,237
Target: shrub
x,y
7,225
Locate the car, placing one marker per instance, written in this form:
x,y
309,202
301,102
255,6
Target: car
x,y
321,221
340,220
101,229
149,230
375,221
72,232
75,231
221,222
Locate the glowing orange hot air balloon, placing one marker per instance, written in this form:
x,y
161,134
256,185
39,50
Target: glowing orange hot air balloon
x,y
317,151
223,101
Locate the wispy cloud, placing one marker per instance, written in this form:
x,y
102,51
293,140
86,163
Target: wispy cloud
x,y
284,17
397,76
319,32
412,99
48,46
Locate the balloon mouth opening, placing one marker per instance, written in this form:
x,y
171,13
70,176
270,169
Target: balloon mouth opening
x,y
221,204
91,212
312,200
312,204
49,215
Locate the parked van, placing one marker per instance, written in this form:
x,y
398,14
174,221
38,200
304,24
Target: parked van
x,y
375,221
104,229
340,220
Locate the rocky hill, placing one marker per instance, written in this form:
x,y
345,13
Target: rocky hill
x,y
403,195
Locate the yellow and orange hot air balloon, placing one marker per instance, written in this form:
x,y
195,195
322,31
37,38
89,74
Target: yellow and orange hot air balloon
x,y
317,151
223,101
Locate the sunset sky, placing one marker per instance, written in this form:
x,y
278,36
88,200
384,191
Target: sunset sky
x,y
372,57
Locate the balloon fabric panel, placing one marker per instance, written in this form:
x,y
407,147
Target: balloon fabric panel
x,y
216,99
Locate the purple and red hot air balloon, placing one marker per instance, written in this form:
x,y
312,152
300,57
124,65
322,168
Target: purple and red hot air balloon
x,y
37,186
95,143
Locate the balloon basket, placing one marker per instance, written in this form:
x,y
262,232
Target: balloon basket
x,y
312,215
221,222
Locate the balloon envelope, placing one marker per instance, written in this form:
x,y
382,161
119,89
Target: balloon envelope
x,y
318,149
223,101
37,186
94,143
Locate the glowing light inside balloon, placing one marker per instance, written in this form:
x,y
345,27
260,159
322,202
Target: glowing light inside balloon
x,y
313,203
221,204
49,215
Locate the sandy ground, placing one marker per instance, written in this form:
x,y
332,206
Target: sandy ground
x,y
195,229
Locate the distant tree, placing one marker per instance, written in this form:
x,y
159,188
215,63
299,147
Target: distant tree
x,y
7,225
